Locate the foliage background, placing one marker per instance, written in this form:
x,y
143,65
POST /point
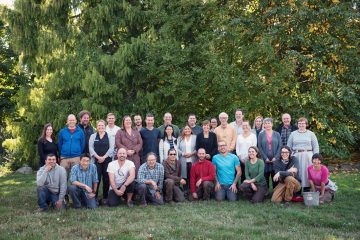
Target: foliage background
x,y
127,57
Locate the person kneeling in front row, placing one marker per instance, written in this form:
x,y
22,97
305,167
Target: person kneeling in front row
x,y
150,181
173,180
121,176
286,174
254,186
84,181
51,184
228,173
202,177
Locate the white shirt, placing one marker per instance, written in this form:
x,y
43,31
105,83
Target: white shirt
x,y
243,144
120,174
188,148
112,131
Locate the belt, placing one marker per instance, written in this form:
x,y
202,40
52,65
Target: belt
x,y
303,150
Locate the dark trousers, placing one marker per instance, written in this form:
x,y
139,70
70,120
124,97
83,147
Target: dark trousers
x,y
45,197
79,198
250,194
148,194
188,169
267,175
205,190
115,200
242,165
102,173
173,191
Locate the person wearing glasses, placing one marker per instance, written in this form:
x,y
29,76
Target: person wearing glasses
x,y
303,143
226,133
228,173
121,175
286,174
173,183
150,181
84,183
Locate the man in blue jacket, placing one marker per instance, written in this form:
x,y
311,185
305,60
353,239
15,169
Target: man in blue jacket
x,y
71,143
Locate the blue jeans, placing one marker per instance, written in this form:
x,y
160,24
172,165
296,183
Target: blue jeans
x,y
225,193
45,197
79,198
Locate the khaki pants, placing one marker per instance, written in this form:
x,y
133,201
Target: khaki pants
x,y
285,191
68,163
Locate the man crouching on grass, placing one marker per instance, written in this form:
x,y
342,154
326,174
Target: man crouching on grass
x,y
51,184
121,177
84,181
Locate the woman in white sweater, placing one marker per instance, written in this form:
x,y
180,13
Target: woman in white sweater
x,y
168,142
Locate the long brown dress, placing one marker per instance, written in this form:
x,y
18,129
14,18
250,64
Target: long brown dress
x,y
130,142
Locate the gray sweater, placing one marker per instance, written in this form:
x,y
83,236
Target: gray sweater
x,y
55,180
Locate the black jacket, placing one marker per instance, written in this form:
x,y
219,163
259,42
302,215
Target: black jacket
x,y
279,166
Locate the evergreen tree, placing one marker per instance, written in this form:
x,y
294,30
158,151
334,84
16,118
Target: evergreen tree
x,y
128,57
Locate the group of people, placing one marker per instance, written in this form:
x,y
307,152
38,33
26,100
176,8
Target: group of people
x,y
168,164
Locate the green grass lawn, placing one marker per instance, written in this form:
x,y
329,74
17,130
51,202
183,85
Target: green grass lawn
x,y
202,220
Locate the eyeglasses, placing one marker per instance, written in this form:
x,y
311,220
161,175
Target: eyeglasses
x,y
285,152
172,154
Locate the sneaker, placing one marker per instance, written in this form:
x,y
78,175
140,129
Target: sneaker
x,y
143,204
130,204
40,210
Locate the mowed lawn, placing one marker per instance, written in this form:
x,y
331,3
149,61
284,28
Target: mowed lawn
x,y
201,220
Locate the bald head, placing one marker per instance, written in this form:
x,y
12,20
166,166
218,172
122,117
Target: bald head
x,y
167,118
286,119
71,121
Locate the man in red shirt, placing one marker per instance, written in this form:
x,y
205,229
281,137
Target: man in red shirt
x,y
202,177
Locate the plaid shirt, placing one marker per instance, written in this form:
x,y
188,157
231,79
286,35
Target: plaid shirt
x,y
285,133
156,174
88,176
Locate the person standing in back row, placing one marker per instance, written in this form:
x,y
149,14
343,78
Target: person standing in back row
x,y
46,144
237,124
269,143
167,121
101,152
226,133
130,139
86,127
285,128
150,137
71,143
